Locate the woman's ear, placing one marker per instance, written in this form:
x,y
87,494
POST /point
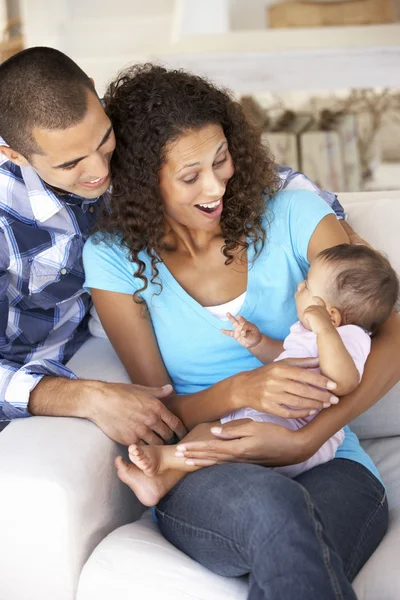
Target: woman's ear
x,y
336,316
14,156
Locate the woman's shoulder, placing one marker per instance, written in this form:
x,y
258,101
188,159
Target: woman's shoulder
x,y
104,243
286,200
291,209
101,249
291,218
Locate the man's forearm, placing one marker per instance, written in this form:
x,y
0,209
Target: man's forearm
x,y
382,372
61,397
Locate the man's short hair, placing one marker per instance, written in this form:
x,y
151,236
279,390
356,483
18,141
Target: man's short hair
x,y
40,87
365,287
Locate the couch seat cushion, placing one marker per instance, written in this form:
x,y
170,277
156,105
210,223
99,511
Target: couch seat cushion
x,y
135,561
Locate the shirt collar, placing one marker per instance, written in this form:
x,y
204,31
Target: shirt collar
x,y
44,201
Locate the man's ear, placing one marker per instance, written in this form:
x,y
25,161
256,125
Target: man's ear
x,y
14,156
335,316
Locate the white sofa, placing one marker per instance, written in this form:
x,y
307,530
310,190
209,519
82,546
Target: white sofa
x,y
70,529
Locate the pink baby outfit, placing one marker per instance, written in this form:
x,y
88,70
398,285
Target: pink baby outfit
x,y
302,343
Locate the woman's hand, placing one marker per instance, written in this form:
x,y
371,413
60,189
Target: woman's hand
x,y
251,442
287,388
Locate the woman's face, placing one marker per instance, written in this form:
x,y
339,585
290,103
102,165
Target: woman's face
x,y
194,177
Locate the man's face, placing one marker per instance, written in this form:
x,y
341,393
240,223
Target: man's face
x,y
77,159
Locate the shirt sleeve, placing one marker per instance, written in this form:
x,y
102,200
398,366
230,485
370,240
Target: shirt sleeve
x,y
299,212
293,180
357,343
16,380
107,267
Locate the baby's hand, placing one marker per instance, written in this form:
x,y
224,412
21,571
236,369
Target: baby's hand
x,y
316,317
244,332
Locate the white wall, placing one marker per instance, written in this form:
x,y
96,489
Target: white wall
x,y
3,16
86,9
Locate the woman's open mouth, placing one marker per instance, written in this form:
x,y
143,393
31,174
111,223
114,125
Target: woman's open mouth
x,y
211,209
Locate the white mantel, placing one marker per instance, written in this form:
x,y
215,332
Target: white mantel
x,y
294,59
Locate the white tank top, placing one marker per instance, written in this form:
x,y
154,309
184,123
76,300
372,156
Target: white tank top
x,y
233,306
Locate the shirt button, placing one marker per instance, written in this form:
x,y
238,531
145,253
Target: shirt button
x,y
63,271
91,209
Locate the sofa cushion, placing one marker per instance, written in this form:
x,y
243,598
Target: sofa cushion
x,y
135,561
376,218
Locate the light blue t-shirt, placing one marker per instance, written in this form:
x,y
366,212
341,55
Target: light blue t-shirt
x,y
195,352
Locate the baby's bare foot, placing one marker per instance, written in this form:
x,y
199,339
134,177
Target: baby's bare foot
x,y
147,458
148,490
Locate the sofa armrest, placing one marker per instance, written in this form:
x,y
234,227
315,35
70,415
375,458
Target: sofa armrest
x,y
59,498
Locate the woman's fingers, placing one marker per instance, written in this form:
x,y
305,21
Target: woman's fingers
x,y
213,450
293,369
313,397
200,462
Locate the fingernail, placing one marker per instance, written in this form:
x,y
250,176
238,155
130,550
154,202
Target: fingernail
x,y
331,385
326,404
189,462
312,412
216,429
334,399
179,454
181,448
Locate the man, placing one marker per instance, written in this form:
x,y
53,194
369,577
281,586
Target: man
x,y
54,174
55,154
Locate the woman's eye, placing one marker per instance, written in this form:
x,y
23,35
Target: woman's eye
x,y
70,167
189,181
220,162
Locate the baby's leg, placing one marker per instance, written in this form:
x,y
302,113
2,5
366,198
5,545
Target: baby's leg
x,y
150,490
155,460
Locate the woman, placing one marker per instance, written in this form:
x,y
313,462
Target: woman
x,y
197,227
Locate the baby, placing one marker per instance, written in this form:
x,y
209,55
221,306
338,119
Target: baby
x,y
349,291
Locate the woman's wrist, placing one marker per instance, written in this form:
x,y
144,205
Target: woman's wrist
x,y
305,443
238,385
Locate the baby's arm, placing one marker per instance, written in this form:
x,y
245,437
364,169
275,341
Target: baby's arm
x,y
335,361
249,336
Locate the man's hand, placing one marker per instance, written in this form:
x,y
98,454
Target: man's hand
x,y
129,413
316,317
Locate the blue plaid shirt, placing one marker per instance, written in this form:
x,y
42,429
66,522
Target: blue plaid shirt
x,y
43,307
44,310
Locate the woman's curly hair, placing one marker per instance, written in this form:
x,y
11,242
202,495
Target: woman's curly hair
x,y
150,107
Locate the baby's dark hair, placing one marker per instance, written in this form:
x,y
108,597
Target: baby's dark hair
x,y
365,287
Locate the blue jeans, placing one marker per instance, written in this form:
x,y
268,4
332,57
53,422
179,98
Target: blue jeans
x,y
303,538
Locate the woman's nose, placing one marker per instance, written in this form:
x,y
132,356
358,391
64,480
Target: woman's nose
x,y
300,287
213,187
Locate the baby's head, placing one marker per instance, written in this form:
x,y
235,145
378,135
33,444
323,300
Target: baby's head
x,y
357,284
